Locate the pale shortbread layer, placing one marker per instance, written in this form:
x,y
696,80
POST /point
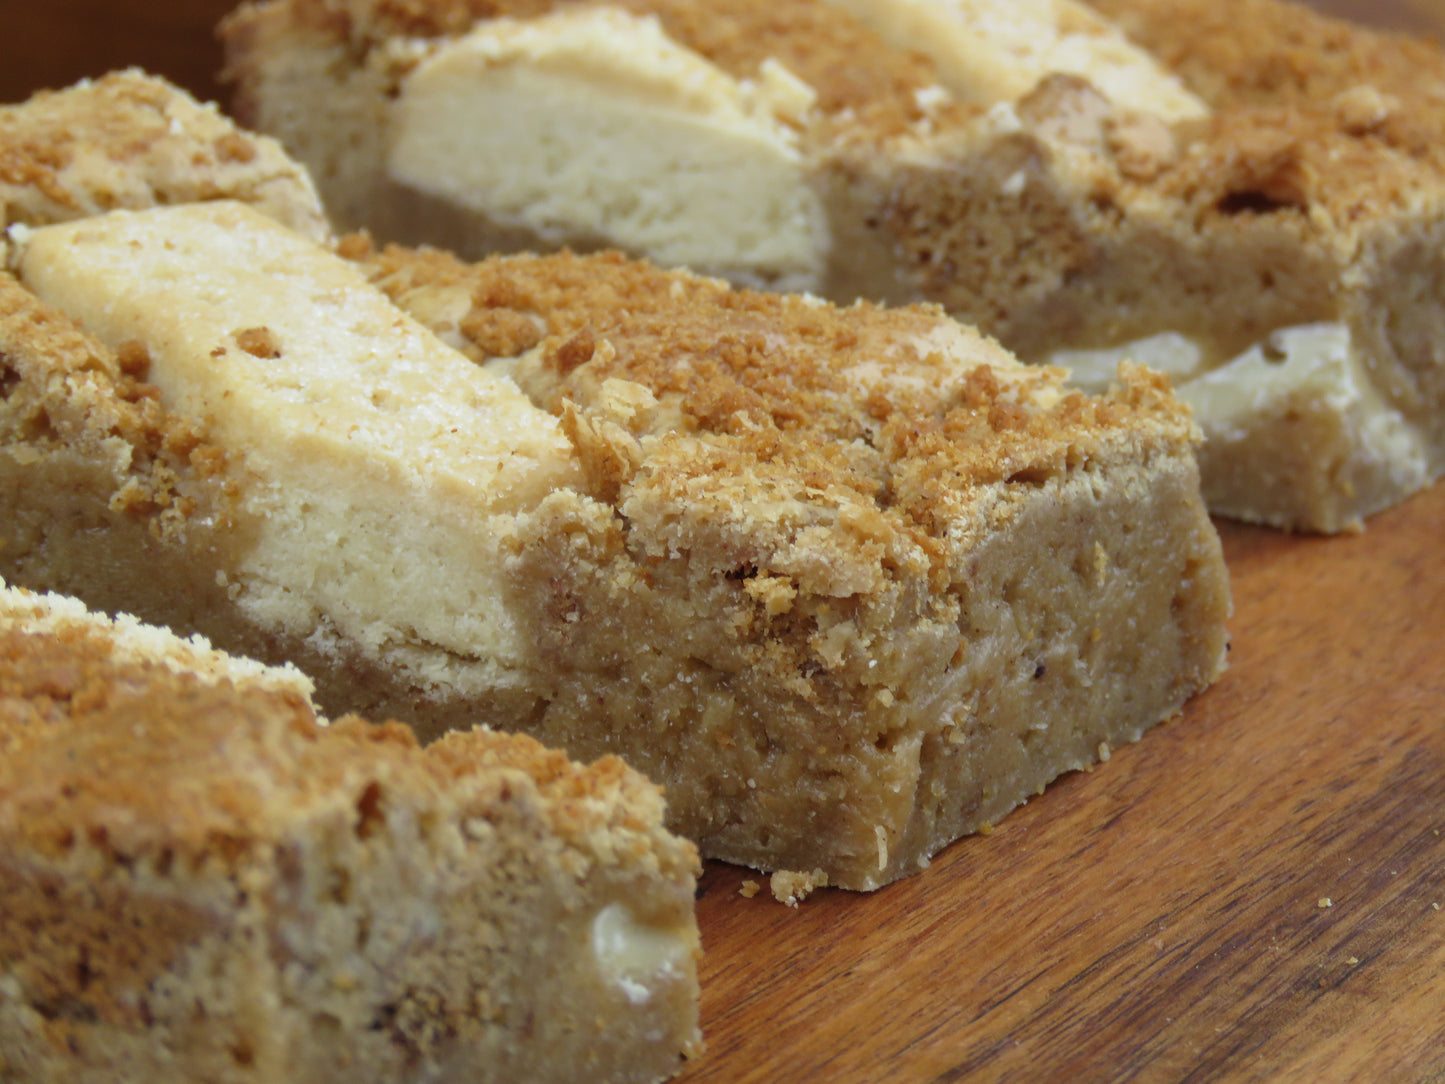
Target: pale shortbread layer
x,y
598,126
352,418
990,51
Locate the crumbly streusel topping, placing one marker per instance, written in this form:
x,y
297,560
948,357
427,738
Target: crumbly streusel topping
x,y
875,427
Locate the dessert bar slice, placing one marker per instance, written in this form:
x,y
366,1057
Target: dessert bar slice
x,y
200,881
1256,204
134,140
848,582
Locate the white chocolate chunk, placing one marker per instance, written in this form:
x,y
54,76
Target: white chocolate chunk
x,y
636,956
1313,363
1301,393
595,123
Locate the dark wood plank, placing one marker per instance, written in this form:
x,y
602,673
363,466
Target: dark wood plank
x,y
52,43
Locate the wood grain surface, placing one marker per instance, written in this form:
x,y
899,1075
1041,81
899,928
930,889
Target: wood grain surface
x,y
1254,892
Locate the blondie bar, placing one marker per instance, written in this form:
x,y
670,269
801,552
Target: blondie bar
x,y
848,582
200,881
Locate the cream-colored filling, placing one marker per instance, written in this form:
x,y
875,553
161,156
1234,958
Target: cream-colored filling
x,y
1177,356
998,50
1314,365
593,126
381,468
637,957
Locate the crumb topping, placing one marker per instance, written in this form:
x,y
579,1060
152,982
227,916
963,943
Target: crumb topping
x,y
1264,51
59,385
134,757
792,887
1323,168
1311,112
773,416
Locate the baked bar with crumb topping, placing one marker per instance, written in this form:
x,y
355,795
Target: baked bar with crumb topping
x,y
1249,196
134,140
200,881
849,583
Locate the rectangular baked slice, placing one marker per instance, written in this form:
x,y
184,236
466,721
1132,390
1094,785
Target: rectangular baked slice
x,y
848,582
201,881
1250,197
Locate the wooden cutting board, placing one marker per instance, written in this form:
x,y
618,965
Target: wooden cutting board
x,y
1255,891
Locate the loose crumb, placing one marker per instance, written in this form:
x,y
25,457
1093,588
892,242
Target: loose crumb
x,y
259,342
749,889
792,886
1325,901
1353,960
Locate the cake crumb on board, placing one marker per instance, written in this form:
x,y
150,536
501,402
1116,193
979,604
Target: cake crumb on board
x,y
793,886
